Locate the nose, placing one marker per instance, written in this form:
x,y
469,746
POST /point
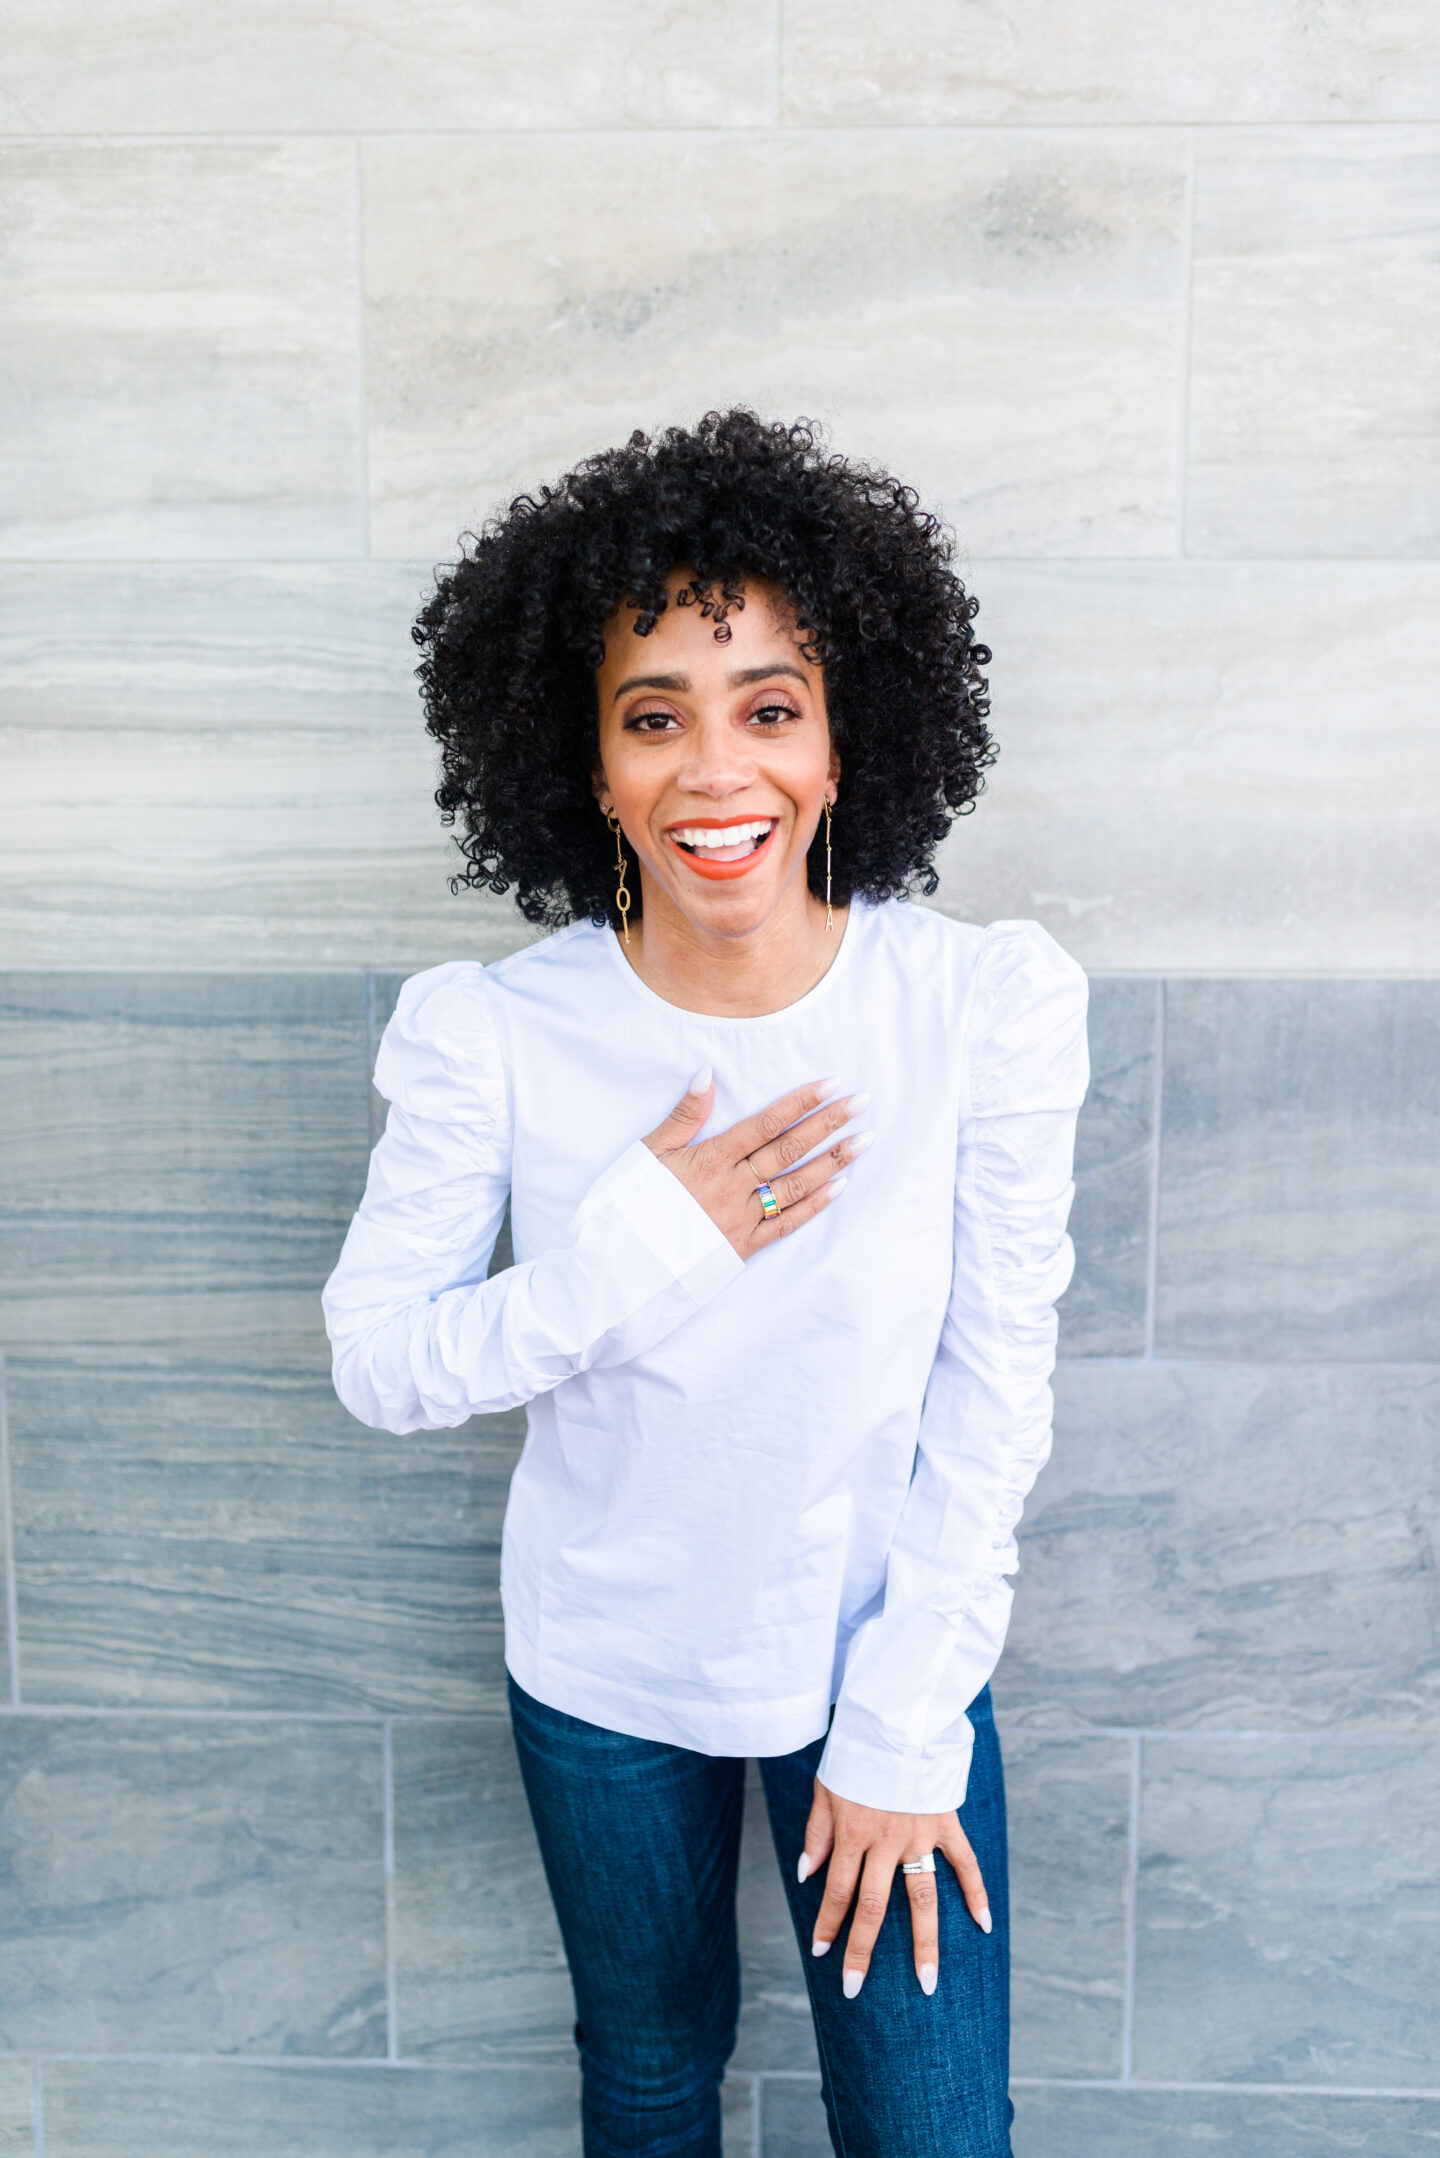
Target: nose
x,y
717,761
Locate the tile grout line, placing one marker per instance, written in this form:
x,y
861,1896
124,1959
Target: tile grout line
x,y
757,2116
387,1773
1132,1887
7,1550
1157,1107
1187,329
370,1055
362,416
37,2110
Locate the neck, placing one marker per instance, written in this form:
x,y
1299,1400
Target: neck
x,y
733,976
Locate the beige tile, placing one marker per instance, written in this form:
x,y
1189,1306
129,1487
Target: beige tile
x,y
1314,426
223,765
935,61
926,296
166,67
179,349
1213,766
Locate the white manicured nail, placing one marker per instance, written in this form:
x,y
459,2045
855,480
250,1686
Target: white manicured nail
x,y
820,1948
929,1976
827,1087
836,1185
804,1869
984,1921
701,1080
857,1102
861,1140
854,1980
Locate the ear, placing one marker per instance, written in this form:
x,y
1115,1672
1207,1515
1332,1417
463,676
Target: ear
x,y
599,786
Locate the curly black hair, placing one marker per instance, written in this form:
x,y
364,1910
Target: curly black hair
x,y
513,635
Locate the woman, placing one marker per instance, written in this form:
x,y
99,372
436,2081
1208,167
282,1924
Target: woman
x,y
712,702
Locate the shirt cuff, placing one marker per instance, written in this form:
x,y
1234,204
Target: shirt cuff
x,y
896,1782
665,1218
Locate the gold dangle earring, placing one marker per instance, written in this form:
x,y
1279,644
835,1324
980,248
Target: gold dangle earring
x,y
828,917
622,896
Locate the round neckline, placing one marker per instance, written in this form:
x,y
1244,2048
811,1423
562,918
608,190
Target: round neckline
x,y
812,995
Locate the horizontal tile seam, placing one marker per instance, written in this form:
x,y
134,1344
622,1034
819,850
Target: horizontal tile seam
x,y
261,969
1007,1720
309,2064
759,129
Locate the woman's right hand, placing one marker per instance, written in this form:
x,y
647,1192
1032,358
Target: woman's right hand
x,y
722,1173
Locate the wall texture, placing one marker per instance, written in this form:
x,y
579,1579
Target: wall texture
x,y
1147,300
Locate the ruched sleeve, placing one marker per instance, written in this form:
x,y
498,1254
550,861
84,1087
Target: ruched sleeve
x,y
900,1738
421,1338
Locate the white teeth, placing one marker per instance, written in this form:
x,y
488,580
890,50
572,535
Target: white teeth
x,y
724,835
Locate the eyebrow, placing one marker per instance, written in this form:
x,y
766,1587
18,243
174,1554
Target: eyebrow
x,y
679,683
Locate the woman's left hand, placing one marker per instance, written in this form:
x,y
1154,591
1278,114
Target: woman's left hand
x,y
864,1848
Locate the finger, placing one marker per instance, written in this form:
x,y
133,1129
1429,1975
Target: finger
x,y
790,1190
839,1889
688,1116
819,1835
871,1903
791,1218
780,1154
766,1125
956,1846
925,1926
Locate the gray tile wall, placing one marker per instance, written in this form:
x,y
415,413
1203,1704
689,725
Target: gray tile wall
x,y
1146,299
261,1832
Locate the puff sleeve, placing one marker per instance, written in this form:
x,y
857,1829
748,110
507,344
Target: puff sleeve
x,y
900,1738
421,1338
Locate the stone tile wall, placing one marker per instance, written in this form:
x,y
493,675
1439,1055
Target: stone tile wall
x,y
1146,299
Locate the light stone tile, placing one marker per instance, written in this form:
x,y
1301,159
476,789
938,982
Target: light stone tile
x,y
1288,1924
367,65
17,2125
180,1158
1233,1546
202,1535
922,62
1068,1811
1178,783
258,781
925,298
1103,1311
1070,2123
183,2109
739,2113
179,351
792,2118
480,1973
187,1886
776,2031
1300,1170
1314,427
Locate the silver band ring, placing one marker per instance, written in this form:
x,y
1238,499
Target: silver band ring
x,y
919,1865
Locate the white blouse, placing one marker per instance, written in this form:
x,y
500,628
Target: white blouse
x,y
749,1488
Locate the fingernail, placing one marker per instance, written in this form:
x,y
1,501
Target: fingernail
x,y
836,1185
803,1870
826,1087
984,1921
854,1980
819,1948
861,1140
857,1102
701,1080
928,1977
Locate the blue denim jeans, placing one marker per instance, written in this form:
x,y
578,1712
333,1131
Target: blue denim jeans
x,y
641,1845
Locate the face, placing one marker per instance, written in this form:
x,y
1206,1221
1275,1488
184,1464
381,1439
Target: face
x,y
715,756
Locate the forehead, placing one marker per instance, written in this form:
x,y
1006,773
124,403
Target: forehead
x,y
766,616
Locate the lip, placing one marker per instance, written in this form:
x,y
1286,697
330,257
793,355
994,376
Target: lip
x,y
718,871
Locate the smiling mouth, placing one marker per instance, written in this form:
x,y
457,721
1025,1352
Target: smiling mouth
x,y
722,843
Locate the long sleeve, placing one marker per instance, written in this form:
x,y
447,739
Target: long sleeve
x,y
900,1738
421,1338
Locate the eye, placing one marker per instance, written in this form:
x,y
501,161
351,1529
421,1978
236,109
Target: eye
x,y
651,722
772,713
